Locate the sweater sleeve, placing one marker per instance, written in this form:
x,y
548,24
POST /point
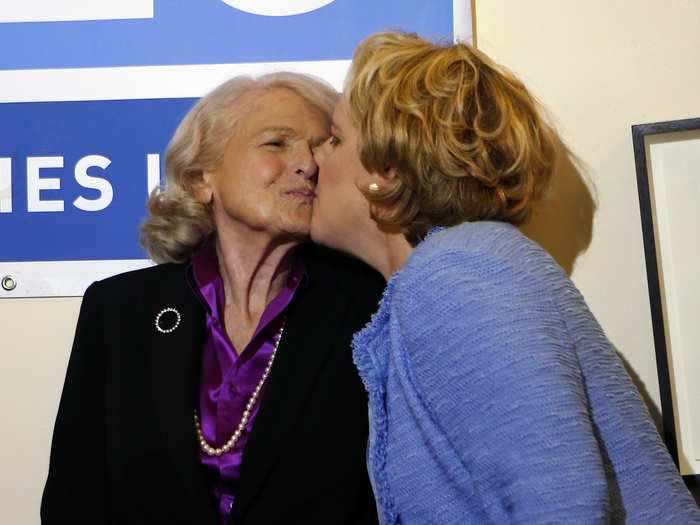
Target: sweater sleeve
x,y
489,358
75,491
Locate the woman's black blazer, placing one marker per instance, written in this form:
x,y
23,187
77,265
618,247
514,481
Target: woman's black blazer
x,y
124,448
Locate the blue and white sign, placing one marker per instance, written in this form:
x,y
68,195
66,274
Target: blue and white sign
x,y
81,167
92,90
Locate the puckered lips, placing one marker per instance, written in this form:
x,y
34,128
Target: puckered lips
x,y
304,193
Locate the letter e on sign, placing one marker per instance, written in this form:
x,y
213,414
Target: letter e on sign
x,y
35,183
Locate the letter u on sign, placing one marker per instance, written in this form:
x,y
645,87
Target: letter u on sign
x,y
277,7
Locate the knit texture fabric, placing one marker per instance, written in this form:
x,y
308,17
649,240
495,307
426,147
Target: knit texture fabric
x,y
495,397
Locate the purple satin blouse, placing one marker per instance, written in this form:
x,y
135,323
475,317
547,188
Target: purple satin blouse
x,y
228,379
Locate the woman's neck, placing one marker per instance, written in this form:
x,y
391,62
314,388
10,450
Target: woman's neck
x,y
253,271
386,251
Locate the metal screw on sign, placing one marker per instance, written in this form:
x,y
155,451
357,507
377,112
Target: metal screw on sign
x,y
9,283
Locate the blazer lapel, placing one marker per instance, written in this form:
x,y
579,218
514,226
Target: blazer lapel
x,y
290,387
176,369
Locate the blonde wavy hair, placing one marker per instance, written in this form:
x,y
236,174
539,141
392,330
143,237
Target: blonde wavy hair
x,y
464,136
179,222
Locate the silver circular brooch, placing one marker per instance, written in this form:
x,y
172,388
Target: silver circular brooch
x,y
162,329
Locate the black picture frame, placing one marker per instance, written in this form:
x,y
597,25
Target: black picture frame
x,y
641,135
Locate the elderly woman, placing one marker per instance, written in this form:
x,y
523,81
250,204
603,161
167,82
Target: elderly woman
x,y
218,386
494,395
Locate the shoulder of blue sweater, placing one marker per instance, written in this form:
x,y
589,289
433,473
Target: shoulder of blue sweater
x,y
481,252
487,240
469,232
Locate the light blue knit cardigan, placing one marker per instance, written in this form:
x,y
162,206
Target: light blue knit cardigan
x,y
495,397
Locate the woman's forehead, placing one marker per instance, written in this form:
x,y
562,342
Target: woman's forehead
x,y
340,114
284,111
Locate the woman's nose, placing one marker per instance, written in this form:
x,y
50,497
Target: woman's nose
x,y
307,163
320,153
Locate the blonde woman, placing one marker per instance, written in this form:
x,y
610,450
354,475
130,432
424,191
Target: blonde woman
x,y
495,397
218,387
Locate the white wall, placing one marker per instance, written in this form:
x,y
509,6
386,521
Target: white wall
x,y
35,340
599,66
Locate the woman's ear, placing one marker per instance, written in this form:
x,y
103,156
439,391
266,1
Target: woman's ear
x,y
377,181
203,188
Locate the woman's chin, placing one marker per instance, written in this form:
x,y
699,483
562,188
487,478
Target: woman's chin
x,y
321,234
316,233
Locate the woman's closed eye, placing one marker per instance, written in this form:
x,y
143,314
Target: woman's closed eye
x,y
277,143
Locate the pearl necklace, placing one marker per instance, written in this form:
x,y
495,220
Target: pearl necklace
x,y
212,451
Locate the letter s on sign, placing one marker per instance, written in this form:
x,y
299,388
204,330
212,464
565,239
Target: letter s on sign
x,y
277,7
96,183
